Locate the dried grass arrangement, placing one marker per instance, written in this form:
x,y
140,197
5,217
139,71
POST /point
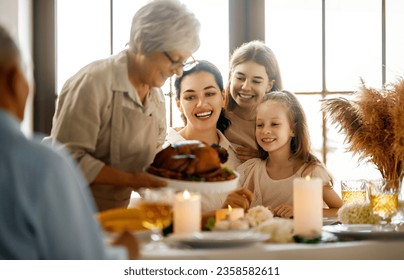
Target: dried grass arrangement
x,y
373,124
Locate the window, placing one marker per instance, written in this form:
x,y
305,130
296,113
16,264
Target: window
x,y
85,35
324,48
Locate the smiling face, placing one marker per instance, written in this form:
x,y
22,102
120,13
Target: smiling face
x,y
155,68
249,83
273,130
201,100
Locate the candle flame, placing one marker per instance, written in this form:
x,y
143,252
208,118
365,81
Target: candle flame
x,y
307,178
229,208
186,194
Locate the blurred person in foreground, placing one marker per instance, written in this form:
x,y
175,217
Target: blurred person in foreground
x,y
46,211
111,114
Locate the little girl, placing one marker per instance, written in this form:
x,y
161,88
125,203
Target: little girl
x,y
282,136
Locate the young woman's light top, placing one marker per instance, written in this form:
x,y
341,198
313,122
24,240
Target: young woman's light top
x,y
241,132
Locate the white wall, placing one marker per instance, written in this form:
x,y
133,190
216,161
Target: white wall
x,y
16,16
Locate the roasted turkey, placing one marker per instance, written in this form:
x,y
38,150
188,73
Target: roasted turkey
x,y
192,160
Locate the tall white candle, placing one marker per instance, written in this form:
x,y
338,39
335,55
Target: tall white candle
x,y
187,212
307,206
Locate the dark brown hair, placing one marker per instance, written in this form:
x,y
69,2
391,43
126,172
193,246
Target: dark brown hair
x,y
204,66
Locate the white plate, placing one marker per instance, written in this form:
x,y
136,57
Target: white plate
x,y
360,231
219,239
202,187
329,221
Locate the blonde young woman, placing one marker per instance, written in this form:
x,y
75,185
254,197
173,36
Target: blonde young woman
x,y
200,98
283,138
254,71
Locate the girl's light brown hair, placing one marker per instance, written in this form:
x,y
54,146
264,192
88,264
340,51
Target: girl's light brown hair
x,y
300,144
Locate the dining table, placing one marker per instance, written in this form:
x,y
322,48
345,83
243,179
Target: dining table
x,y
333,249
352,250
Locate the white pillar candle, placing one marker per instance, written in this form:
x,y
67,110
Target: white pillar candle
x,y
307,206
187,212
230,214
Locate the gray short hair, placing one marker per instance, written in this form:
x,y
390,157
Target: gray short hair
x,y
164,25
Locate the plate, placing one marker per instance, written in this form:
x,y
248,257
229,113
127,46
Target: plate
x,y
360,231
219,239
201,187
330,221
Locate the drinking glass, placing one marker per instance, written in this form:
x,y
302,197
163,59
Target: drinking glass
x,y
157,205
383,195
353,191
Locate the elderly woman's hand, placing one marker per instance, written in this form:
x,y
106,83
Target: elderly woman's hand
x,y
239,199
143,180
112,176
245,153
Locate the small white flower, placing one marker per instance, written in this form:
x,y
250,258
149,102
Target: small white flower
x,y
357,213
279,229
257,215
222,225
239,224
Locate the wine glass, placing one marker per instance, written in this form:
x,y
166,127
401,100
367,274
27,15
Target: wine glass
x,y
157,205
383,195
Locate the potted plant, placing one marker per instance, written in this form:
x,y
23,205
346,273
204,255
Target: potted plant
x,y
373,124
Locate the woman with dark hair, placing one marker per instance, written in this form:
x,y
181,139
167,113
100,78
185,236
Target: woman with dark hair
x,y
200,99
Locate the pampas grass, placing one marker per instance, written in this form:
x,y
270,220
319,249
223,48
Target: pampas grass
x,y
373,124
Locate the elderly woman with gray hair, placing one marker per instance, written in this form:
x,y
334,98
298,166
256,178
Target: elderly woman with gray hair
x,y
111,114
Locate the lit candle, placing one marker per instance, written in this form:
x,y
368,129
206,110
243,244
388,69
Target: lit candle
x,y
307,206
230,214
187,212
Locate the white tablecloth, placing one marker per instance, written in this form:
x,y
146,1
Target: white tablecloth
x,y
352,250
